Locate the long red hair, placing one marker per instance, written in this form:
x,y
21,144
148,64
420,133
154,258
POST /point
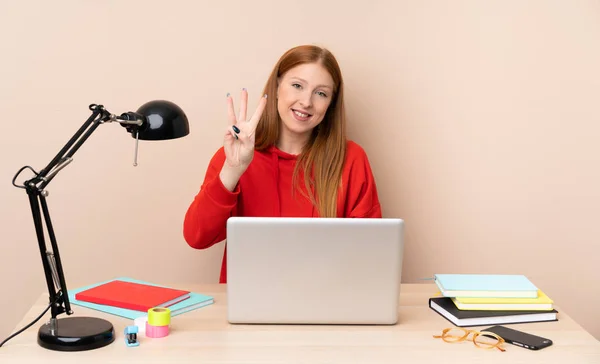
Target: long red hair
x,y
324,154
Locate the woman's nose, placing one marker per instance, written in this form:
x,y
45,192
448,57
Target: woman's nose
x,y
306,99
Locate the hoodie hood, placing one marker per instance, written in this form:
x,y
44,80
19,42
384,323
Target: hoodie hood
x,y
283,164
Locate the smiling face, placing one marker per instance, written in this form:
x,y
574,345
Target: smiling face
x,y
303,96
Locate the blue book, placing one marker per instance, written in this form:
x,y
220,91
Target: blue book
x,y
485,285
195,301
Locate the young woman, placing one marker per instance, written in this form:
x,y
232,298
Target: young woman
x,y
291,158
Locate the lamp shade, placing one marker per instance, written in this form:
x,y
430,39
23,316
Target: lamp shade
x,y
162,120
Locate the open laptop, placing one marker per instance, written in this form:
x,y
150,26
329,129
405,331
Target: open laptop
x,y
313,270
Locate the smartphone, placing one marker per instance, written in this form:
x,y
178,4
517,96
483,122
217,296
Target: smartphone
x,y
520,338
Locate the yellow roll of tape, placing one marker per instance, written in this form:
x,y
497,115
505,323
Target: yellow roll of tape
x,y
159,316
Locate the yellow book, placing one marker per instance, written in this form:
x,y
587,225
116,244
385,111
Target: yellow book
x,y
541,303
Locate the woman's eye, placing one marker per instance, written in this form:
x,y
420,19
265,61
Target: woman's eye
x,y
321,93
296,85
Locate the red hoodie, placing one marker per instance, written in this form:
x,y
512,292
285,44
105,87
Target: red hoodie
x,y
265,189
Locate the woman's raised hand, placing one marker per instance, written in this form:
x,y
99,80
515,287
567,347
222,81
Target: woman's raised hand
x,y
241,133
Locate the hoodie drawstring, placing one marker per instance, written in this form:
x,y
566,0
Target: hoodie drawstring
x,y
277,210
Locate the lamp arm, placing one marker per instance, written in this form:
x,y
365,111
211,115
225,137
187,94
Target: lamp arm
x,y
66,149
64,156
35,187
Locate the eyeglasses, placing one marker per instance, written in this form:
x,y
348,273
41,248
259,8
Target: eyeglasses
x,y
481,339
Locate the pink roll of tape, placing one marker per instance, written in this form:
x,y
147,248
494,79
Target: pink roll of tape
x,y
156,331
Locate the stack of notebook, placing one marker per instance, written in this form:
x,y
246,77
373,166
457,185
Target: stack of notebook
x,y
488,299
131,298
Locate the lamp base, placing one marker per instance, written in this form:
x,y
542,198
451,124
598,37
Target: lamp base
x,y
76,334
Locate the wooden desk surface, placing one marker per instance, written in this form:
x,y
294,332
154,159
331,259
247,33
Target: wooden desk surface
x,y
204,335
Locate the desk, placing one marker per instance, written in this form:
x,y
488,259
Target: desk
x,y
204,335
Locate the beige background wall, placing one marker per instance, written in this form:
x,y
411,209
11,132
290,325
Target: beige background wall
x,y
480,118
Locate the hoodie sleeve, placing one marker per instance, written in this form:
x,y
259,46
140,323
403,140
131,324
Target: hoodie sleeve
x,y
206,218
362,199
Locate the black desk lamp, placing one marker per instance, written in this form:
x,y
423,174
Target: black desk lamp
x,y
155,120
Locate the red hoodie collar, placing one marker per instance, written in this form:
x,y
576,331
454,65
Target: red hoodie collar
x,y
281,154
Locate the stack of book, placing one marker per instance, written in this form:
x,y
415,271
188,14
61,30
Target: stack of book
x,y
488,299
132,298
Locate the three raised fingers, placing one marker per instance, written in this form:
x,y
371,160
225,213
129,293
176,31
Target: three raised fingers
x,y
253,122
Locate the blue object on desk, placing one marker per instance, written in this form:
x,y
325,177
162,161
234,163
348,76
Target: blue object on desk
x,y
131,336
486,285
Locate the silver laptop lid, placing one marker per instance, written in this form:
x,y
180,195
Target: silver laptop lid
x,y
314,270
